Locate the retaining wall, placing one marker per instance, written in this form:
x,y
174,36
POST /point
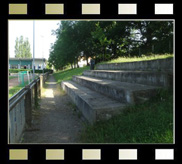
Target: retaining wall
x,y
20,109
162,65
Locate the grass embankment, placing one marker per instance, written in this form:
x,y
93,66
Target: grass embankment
x,y
142,58
150,122
67,75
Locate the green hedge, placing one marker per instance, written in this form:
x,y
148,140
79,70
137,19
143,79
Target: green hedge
x,y
45,70
18,70
36,71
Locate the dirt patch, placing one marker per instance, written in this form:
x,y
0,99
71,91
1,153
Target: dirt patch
x,y
56,121
14,82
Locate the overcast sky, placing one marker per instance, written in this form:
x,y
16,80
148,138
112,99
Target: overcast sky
x,y
43,37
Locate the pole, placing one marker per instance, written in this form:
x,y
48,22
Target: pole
x,y
42,53
33,50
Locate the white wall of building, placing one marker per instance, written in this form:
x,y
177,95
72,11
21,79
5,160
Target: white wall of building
x,y
39,63
83,63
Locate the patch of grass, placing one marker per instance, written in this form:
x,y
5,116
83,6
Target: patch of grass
x,y
72,106
15,89
150,122
67,75
36,105
12,77
142,58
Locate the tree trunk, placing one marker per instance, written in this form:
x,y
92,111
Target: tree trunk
x,y
104,51
87,60
77,64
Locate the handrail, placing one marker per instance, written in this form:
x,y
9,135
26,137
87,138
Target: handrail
x,y
19,92
20,104
12,104
18,96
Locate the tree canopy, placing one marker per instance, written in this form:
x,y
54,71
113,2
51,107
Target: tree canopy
x,y
22,48
105,40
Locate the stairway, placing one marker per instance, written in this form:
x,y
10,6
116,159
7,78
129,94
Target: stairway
x,y
100,94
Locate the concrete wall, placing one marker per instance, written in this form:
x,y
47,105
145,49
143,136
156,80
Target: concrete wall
x,y
163,65
17,121
19,115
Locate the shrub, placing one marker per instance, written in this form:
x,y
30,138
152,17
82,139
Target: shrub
x,y
18,70
36,71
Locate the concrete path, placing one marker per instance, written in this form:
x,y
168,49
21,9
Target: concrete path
x,y
56,121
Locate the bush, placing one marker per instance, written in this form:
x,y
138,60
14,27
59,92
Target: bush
x,y
36,71
45,70
48,70
18,70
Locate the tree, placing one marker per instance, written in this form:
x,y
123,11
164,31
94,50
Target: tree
x,y
108,39
22,48
84,38
158,34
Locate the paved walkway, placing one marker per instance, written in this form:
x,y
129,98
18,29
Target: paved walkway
x,y
56,121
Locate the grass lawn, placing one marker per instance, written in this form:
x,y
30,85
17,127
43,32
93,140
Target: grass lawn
x,y
150,122
67,75
12,77
142,58
15,89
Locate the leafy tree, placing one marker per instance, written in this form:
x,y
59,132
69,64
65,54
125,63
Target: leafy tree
x,y
158,34
22,48
105,40
84,38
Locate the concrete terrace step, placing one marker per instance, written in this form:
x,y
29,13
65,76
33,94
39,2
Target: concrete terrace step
x,y
140,77
163,65
94,106
122,91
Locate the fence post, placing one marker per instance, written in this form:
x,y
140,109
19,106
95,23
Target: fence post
x,y
28,107
39,88
41,83
36,94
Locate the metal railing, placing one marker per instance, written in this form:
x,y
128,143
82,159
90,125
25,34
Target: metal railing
x,y
20,108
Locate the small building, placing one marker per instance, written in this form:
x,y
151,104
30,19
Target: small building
x,y
27,63
82,62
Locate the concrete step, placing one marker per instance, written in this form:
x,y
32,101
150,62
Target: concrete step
x,y
162,65
140,77
122,91
93,106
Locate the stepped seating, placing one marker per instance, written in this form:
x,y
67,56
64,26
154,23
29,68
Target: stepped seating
x,y
100,94
139,77
94,106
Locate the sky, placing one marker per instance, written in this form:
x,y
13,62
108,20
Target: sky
x,y
43,37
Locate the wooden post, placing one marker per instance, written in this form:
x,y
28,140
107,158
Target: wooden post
x,y
39,88
36,94
28,107
41,83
